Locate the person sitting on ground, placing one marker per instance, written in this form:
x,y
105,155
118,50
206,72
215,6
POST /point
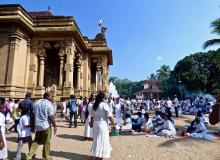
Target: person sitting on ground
x,y
128,123
137,123
168,128
148,125
200,126
192,126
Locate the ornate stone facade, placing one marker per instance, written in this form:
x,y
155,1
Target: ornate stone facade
x,y
41,52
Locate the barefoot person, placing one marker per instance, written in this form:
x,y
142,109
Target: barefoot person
x,y
44,117
101,147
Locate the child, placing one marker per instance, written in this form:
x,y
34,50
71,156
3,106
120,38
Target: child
x,y
168,129
24,133
128,124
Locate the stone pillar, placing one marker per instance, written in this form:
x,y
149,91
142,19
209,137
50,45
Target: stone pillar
x,y
27,63
13,49
70,55
105,75
61,54
99,76
42,56
78,77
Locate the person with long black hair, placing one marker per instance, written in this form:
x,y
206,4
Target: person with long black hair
x,y
101,113
88,131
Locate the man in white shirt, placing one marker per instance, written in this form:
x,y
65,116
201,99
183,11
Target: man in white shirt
x,y
44,117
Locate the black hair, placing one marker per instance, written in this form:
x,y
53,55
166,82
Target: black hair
x,y
28,95
146,115
199,113
2,100
139,114
46,95
127,115
72,96
99,98
17,100
91,98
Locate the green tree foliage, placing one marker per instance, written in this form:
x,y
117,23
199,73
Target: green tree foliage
x,y
163,75
199,72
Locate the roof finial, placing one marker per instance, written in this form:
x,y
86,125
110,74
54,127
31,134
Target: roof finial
x,y
49,9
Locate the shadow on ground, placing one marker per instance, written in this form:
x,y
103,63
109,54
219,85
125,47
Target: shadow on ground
x,y
68,155
12,139
12,155
172,142
66,136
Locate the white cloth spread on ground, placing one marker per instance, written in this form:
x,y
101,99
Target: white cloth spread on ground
x,y
101,146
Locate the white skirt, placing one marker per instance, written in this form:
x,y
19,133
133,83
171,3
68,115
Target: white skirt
x,y
88,130
101,146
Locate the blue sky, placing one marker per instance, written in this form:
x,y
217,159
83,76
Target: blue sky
x,y
143,34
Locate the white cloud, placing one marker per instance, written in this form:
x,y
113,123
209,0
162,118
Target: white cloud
x,y
159,58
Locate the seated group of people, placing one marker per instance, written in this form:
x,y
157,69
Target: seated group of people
x,y
161,124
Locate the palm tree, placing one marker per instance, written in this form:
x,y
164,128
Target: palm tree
x,y
152,76
163,72
215,29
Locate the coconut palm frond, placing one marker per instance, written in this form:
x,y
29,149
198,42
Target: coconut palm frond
x,y
210,43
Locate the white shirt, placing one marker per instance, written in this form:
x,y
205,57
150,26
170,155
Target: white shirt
x,y
169,125
201,127
24,131
118,107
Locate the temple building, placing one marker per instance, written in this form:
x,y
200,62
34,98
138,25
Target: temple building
x,y
42,52
150,90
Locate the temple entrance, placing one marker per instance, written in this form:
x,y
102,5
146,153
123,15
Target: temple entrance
x,y
51,71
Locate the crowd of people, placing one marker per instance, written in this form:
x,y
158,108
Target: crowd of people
x,y
96,112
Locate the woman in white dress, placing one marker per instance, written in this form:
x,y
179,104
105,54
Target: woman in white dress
x,y
101,147
3,151
88,130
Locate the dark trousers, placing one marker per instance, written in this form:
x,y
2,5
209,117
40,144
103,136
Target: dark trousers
x,y
176,111
75,119
14,126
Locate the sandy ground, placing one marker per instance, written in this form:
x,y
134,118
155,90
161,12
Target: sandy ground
x,y
68,144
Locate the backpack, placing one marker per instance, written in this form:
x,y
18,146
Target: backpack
x,y
72,106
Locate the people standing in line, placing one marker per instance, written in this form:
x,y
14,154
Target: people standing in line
x,y
15,116
3,144
24,133
73,108
101,147
44,118
88,133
